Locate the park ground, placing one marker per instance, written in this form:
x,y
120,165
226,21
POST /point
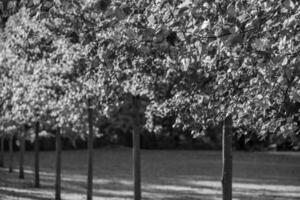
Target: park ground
x,y
166,175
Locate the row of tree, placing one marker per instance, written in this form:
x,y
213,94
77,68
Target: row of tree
x,y
66,64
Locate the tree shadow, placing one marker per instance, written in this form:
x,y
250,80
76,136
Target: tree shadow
x,y
196,176
23,194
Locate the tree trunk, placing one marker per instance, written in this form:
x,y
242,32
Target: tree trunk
x,y
136,163
58,165
90,153
11,153
37,156
227,159
22,150
2,151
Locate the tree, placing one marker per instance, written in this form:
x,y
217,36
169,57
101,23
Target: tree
x,y
22,147
205,62
55,100
210,57
93,80
11,153
58,165
236,67
29,63
36,156
2,151
90,149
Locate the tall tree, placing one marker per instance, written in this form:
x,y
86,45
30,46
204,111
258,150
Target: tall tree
x,y
58,165
36,156
225,70
90,150
11,153
2,150
205,62
34,75
22,147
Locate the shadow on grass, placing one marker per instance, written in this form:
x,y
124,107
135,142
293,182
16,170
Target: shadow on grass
x,y
183,188
196,176
21,193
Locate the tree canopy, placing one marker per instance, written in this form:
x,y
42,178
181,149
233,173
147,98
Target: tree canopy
x,y
198,61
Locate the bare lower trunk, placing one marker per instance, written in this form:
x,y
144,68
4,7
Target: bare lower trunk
x,y
136,163
58,166
22,150
2,152
90,153
227,159
11,154
36,157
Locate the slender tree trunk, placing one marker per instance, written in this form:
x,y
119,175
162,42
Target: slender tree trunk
x,y
11,153
37,156
58,165
22,150
136,163
90,153
227,159
2,152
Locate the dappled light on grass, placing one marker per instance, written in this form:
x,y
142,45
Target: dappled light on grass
x,y
23,193
167,175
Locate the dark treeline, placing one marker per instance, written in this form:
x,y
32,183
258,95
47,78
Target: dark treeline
x,y
171,140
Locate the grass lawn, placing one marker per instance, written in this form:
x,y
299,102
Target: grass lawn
x,y
166,175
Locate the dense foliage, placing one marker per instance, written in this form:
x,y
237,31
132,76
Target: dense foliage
x,y
185,65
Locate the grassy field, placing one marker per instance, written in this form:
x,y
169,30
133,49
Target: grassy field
x,y
166,175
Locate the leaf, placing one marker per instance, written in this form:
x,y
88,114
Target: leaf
x,y
120,14
231,10
206,24
186,63
261,44
234,39
289,4
259,96
290,22
102,5
182,10
285,61
280,80
186,3
243,18
130,34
